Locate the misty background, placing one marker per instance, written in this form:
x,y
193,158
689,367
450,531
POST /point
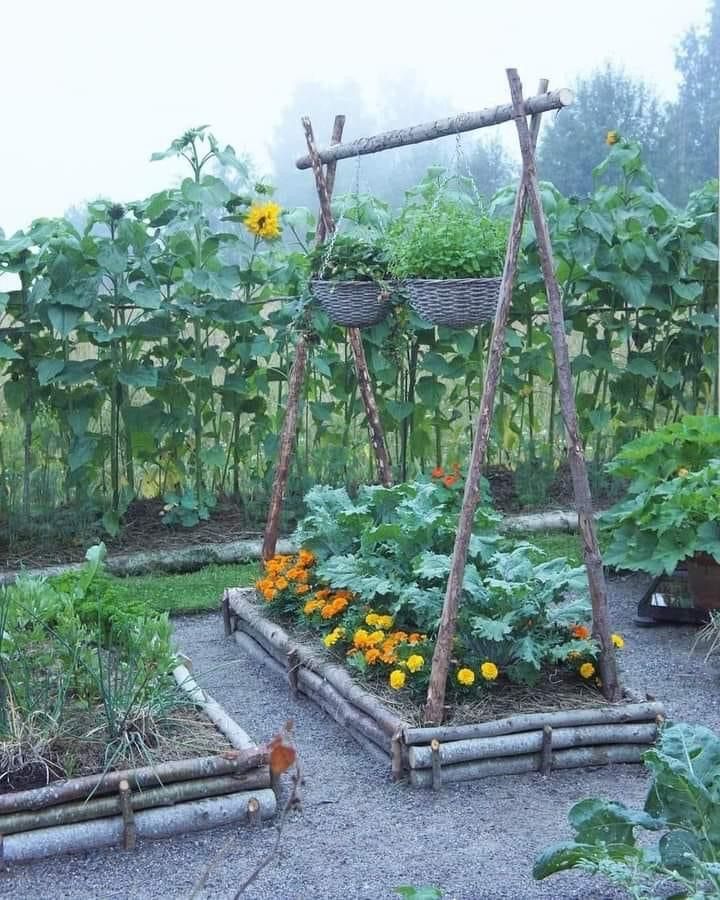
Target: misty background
x,y
91,91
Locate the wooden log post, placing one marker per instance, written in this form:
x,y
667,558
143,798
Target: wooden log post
x,y
581,486
546,751
330,169
287,440
436,767
430,131
128,816
372,413
434,707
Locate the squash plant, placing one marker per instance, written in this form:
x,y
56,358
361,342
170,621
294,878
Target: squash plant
x,y
682,807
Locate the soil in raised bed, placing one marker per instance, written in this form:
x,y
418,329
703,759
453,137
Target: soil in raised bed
x,y
183,733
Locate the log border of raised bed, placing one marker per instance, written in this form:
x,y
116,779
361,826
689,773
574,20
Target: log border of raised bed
x,y
431,757
116,807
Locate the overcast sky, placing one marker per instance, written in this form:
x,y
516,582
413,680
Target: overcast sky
x,y
90,89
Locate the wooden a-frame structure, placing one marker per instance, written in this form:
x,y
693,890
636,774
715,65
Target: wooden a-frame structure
x,y
528,194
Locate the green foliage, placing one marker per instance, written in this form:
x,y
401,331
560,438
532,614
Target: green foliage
x,y
683,803
351,259
441,234
78,663
392,548
673,509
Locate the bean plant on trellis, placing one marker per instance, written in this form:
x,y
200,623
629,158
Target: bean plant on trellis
x,y
163,306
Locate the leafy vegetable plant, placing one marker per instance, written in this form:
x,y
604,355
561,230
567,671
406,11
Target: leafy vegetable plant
x,y
442,234
673,511
371,580
682,805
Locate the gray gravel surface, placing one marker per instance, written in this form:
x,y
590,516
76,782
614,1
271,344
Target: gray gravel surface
x,y
358,834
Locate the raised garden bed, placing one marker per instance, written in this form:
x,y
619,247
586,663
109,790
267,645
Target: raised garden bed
x,y
104,733
429,757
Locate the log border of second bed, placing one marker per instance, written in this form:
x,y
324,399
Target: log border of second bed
x,y
431,757
115,808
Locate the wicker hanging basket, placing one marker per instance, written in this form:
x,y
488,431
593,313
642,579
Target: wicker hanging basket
x,y
454,302
355,304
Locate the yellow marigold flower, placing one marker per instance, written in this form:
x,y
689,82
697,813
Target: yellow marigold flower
x,y
360,638
281,583
386,622
618,641
335,635
377,637
682,472
372,619
415,662
489,671
313,605
612,137
372,656
466,677
587,670
397,679
263,220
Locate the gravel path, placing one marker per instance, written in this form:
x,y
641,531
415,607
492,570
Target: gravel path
x,y
358,834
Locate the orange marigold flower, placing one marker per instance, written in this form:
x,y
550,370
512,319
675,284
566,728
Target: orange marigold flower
x,y
399,636
438,472
581,632
360,638
449,480
415,638
281,583
372,656
302,589
306,558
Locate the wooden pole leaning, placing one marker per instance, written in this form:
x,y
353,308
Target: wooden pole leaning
x,y
295,383
443,647
576,457
372,413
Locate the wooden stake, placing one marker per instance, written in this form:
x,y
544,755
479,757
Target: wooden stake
x,y
546,750
436,769
330,170
576,457
287,439
377,435
128,816
396,756
226,615
372,413
293,666
446,633
253,811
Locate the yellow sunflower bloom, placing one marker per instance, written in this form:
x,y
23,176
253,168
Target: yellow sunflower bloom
x,y
263,220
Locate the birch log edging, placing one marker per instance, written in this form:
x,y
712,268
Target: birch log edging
x,y
337,676
239,738
363,727
420,757
601,715
577,758
169,795
430,131
151,824
229,763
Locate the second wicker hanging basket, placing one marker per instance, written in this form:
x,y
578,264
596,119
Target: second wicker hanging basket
x,y
355,304
454,302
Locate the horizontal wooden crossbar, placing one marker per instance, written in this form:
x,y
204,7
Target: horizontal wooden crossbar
x,y
430,131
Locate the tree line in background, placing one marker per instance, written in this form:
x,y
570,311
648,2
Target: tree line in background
x,y
679,139
148,353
